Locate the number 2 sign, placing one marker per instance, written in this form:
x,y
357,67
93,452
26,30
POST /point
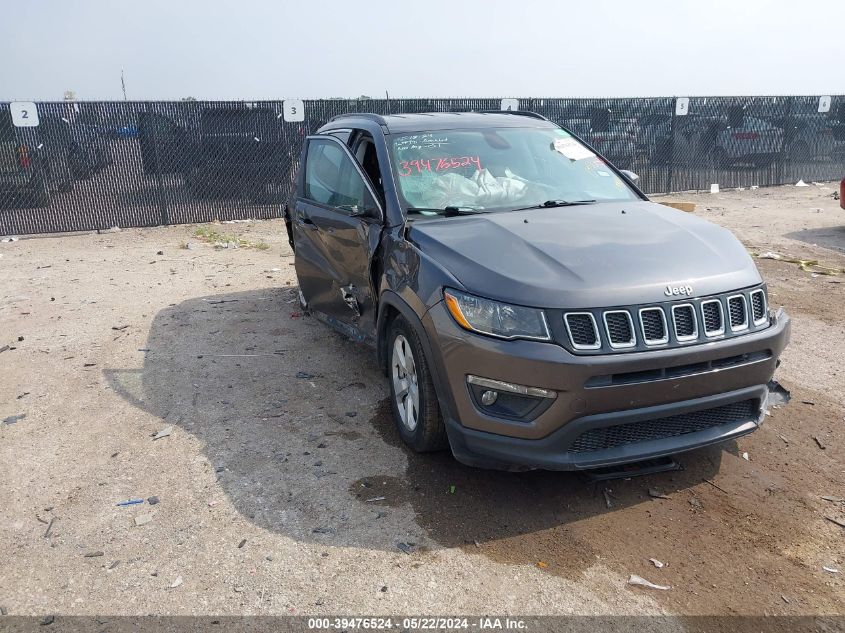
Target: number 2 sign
x,y
24,114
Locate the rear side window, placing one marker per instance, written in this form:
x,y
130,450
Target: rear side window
x,y
331,177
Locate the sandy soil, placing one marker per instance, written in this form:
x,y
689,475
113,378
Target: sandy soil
x,y
266,483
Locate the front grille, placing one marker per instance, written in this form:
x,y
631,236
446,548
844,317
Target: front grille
x,y
685,325
664,324
758,306
620,328
660,428
653,322
714,322
739,315
582,330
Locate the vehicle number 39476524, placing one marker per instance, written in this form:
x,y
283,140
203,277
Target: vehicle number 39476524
x,y
409,167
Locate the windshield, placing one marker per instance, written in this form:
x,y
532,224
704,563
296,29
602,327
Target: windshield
x,y
492,169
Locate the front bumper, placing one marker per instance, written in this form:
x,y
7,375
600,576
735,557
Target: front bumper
x,y
596,392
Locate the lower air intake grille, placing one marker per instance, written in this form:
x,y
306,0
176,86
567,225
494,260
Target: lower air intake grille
x,y
672,426
582,329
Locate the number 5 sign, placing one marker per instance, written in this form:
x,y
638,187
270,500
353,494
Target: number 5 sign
x,y
293,110
24,113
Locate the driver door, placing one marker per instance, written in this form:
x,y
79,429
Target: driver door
x,y
336,227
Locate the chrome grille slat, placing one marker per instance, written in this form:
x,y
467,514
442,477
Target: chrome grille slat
x,y
653,324
713,316
738,313
620,328
686,325
758,306
582,329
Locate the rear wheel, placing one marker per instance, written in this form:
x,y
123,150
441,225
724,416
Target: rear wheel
x,y
412,395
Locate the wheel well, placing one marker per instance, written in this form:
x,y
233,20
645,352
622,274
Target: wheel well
x,y
390,313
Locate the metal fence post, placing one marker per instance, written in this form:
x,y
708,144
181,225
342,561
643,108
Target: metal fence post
x,y
165,216
671,159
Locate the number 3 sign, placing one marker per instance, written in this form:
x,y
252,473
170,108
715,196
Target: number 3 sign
x,y
24,113
293,110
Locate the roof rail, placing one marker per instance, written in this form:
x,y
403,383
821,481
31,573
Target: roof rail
x,y
361,115
528,113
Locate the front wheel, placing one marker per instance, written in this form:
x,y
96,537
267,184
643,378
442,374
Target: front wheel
x,y
412,395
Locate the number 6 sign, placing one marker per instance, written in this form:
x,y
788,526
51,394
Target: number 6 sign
x,y
293,110
24,114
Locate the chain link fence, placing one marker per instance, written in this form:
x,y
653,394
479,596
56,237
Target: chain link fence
x,y
94,165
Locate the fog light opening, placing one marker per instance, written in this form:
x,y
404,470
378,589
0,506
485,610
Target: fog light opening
x,y
488,397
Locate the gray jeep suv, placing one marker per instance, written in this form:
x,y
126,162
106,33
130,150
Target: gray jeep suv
x,y
530,307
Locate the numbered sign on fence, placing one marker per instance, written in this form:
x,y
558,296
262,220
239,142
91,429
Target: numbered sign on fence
x,y
294,110
510,104
824,104
682,106
24,113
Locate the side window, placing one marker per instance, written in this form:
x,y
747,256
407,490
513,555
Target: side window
x,y
331,177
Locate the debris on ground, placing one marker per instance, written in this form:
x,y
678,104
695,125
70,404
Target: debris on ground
x,y
819,442
114,229
633,579
304,375
657,563
838,522
323,530
654,493
176,582
242,543
717,487
49,527
406,547
784,598
801,183
114,564
542,565
129,502
13,419
96,554
833,499
371,500
118,328
152,500
745,456
695,503
163,433
831,570
143,519
607,496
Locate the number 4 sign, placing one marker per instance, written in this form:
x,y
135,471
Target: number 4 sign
x,y
24,113
293,110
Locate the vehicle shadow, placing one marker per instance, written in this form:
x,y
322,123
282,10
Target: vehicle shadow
x,y
832,237
295,423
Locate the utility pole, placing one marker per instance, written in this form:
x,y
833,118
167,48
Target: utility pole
x,y
123,84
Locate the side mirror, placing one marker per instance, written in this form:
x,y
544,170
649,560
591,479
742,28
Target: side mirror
x,y
630,175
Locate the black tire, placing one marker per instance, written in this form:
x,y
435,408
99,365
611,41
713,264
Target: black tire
x,y
430,432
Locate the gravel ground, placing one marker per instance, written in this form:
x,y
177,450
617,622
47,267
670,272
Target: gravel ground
x,y
270,482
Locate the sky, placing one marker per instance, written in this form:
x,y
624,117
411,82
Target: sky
x,y
264,49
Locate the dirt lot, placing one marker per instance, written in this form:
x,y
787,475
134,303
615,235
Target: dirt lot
x,y
280,440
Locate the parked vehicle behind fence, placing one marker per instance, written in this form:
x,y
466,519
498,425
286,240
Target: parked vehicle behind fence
x,y
528,304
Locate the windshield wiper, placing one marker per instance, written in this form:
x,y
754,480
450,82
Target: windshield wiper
x,y
447,212
548,204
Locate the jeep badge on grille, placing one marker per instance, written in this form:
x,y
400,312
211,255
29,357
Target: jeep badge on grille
x,y
678,290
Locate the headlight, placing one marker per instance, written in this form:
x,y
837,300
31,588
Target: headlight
x,y
496,319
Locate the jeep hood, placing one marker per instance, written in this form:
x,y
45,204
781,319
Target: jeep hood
x,y
598,255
